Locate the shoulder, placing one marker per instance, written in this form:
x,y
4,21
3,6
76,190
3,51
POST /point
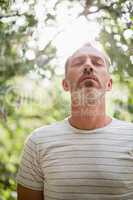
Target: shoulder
x,y
46,131
123,124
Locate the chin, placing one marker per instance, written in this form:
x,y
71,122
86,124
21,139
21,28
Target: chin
x,y
91,95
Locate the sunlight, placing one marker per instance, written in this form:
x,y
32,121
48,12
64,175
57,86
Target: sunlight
x,y
75,35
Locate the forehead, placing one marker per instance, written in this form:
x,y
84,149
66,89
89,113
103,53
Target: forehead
x,y
88,51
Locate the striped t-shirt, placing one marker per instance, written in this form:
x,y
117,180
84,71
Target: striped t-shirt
x,y
72,164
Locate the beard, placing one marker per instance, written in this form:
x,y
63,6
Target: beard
x,y
87,93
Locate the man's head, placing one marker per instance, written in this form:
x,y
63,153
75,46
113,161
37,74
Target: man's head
x,y
88,69
88,48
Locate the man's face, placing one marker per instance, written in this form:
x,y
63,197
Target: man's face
x,y
87,73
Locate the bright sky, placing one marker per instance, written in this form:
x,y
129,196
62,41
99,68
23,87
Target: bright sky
x,y
75,35
71,32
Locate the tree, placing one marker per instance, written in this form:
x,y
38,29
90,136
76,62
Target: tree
x,y
21,55
116,19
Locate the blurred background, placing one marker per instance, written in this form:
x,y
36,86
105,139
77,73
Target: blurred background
x,y
36,37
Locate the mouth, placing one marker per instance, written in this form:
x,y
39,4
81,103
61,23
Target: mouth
x,y
85,78
88,82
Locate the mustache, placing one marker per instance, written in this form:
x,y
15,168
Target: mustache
x,y
85,77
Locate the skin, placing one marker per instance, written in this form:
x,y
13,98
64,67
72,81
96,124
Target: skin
x,y
24,193
91,112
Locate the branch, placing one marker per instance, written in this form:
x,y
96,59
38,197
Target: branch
x,y
49,42
56,4
87,12
10,15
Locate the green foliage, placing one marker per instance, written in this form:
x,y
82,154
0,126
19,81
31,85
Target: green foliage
x,y
4,4
116,19
21,112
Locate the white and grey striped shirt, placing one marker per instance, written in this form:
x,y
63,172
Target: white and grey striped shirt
x,y
72,164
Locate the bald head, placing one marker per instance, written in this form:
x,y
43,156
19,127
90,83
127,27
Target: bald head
x,y
90,49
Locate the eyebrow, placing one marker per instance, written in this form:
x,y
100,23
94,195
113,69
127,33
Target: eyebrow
x,y
85,56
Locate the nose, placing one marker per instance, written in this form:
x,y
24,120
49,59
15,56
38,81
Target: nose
x,y
88,70
88,66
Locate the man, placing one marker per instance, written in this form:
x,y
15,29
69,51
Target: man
x,y
87,156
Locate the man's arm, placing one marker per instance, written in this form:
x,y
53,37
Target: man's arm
x,y
24,193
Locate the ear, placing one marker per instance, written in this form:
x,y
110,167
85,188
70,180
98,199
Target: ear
x,y
109,85
65,85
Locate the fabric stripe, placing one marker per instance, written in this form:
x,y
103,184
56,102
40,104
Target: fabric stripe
x,y
72,164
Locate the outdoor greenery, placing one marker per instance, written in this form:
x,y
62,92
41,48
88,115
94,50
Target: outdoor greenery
x,y
30,91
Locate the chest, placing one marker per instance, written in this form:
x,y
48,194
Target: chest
x,y
92,161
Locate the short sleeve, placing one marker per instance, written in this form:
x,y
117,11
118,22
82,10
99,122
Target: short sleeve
x,y
30,174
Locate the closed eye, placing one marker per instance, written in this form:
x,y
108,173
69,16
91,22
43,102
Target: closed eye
x,y
98,62
78,63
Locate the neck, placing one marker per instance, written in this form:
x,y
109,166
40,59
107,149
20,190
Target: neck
x,y
89,117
